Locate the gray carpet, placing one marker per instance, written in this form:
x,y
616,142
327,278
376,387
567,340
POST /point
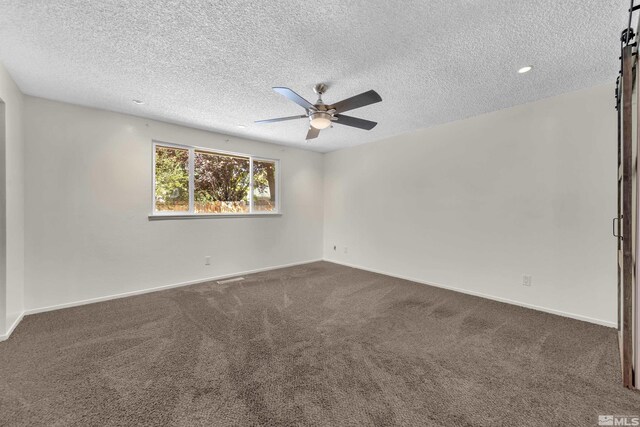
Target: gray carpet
x,y
318,344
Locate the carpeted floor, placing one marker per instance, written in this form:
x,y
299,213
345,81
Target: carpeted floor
x,y
318,344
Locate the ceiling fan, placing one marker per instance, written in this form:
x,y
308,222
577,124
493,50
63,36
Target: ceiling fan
x,y
321,115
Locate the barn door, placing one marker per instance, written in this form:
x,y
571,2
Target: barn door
x,y
624,224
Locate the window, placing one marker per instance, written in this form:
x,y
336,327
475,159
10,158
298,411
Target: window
x,y
198,181
264,186
172,179
221,183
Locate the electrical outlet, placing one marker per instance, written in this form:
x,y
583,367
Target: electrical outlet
x,y
346,250
207,260
526,280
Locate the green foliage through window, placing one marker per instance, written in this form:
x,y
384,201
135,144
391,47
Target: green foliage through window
x,y
172,179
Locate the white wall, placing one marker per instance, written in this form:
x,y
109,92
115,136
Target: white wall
x,y
88,195
475,204
11,290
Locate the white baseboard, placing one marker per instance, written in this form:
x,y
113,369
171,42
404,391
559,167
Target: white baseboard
x,y
12,327
482,295
144,291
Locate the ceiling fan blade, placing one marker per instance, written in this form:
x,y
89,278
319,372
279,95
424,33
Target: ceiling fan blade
x,y
364,99
354,122
281,119
313,133
285,91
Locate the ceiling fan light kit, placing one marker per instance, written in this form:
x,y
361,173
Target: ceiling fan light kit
x,y
320,120
322,116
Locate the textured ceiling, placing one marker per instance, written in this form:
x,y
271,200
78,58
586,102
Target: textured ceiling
x,y
211,64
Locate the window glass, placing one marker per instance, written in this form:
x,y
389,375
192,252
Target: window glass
x,y
221,183
264,186
172,179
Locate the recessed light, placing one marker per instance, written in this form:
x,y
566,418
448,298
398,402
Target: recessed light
x,y
138,102
525,69
241,126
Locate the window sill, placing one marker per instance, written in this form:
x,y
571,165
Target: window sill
x,y
156,217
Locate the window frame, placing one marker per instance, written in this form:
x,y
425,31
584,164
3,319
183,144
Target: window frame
x,y
191,213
